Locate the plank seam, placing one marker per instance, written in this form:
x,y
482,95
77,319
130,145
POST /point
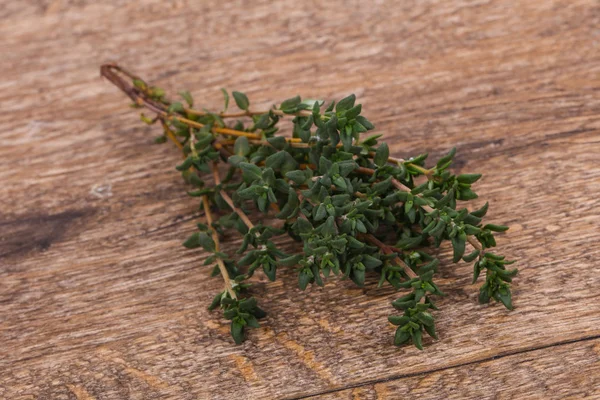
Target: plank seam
x,y
410,375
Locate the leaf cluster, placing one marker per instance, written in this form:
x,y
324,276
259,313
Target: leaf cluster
x,y
356,211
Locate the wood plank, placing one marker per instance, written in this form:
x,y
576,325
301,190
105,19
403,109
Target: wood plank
x,y
97,298
570,371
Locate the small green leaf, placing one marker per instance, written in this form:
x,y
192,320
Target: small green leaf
x,y
193,241
320,212
397,319
140,84
175,107
466,194
226,99
381,155
252,322
206,241
304,278
241,100
290,261
425,318
187,97
263,122
473,255
308,123
147,120
297,176
358,276
248,304
445,200
215,302
447,158
241,146
458,245
484,296
481,212
354,111
401,336
275,160
476,271
156,92
237,332
290,105
505,297
403,305
496,228
346,103
430,329
468,178
371,262
365,122
416,337
251,172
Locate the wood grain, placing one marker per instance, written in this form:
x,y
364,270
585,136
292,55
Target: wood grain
x,y
99,301
539,374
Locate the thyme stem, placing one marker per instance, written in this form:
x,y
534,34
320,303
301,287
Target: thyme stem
x,y
141,99
171,135
387,250
229,200
397,184
303,113
474,243
215,237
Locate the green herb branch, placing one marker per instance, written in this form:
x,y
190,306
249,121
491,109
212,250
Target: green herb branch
x,y
356,210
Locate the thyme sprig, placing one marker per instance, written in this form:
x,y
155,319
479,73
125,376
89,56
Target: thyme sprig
x,y
356,210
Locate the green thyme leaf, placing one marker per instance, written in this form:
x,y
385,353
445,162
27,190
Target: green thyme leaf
x,y
241,100
225,99
187,97
381,155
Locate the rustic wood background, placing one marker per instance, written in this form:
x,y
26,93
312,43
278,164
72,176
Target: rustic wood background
x,y
98,300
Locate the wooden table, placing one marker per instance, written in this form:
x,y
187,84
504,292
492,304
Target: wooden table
x,y
98,300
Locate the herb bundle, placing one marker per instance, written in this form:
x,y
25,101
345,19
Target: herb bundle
x,y
355,209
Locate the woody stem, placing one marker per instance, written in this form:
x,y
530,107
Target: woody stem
x,y
215,237
229,200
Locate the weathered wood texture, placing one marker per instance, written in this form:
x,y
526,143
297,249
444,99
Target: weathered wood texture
x,y
539,374
97,298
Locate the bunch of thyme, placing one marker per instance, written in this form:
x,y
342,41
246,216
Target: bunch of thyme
x,y
355,209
